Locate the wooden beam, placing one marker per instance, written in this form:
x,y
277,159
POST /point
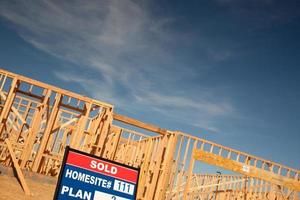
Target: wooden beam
x,y
30,94
247,170
8,103
117,136
104,130
196,188
64,125
156,164
19,115
47,132
17,168
14,109
164,177
81,127
34,130
189,175
139,124
70,107
53,88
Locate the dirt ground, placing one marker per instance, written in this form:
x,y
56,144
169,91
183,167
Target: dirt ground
x,y
11,189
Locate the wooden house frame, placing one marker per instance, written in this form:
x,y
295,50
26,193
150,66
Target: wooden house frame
x,y
40,120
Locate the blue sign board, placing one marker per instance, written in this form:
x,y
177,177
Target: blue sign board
x,y
88,177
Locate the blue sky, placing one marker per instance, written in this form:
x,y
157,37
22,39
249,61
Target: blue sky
x,y
223,70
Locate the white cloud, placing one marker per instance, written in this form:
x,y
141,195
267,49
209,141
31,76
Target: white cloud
x,y
126,47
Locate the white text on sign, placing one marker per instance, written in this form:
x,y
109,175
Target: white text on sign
x,y
123,187
79,194
103,167
88,178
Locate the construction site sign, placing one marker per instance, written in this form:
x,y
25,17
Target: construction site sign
x,y
88,177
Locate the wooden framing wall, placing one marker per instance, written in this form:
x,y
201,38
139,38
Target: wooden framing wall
x,y
40,120
272,180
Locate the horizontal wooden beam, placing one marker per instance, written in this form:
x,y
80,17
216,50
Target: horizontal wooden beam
x,y
139,124
244,169
30,94
53,88
234,151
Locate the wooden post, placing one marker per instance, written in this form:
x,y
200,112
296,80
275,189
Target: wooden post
x,y
181,174
81,126
92,136
157,167
166,169
17,168
296,195
47,132
190,173
117,136
8,104
104,131
32,133
175,172
245,187
217,186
